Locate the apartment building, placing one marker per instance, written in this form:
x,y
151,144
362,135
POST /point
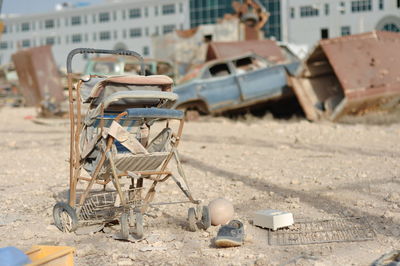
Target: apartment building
x,y
307,21
110,25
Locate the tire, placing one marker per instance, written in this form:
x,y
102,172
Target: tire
x,y
206,218
192,220
139,224
124,225
65,217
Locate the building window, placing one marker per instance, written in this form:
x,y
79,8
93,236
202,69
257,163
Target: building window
x,y
26,43
391,27
86,37
75,20
135,13
398,3
342,8
145,50
168,28
104,35
114,15
345,30
381,5
50,41
292,12
25,26
115,35
104,17
136,32
7,29
156,31
326,8
361,5
49,23
67,39
123,14
146,12
94,18
3,45
168,9
76,38
146,31
94,36
156,10
308,11
324,33
124,34
180,8
85,18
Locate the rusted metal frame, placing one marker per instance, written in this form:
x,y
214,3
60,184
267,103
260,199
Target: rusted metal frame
x,y
146,173
78,130
96,173
151,192
97,181
115,177
72,184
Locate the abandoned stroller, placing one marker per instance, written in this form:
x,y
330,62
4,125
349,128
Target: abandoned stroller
x,y
114,157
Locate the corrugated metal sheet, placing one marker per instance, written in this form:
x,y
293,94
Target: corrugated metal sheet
x,y
350,75
265,48
38,75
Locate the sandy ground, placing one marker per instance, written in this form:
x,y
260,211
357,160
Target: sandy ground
x,y
314,170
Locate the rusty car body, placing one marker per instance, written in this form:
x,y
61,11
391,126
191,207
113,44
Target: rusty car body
x,y
39,79
235,83
350,75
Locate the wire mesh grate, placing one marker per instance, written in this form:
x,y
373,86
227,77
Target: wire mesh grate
x,y
323,231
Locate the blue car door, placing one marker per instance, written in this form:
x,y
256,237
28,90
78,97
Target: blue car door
x,y
219,88
260,82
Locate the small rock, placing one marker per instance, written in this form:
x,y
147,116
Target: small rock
x,y
294,182
387,215
125,262
393,197
87,250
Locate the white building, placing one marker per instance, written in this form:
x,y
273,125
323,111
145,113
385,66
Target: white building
x,y
307,21
114,24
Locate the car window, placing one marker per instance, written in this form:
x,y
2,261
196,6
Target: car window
x,y
104,68
220,70
163,68
247,64
130,68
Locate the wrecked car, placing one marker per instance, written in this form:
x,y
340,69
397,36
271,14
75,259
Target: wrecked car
x,y
223,85
119,65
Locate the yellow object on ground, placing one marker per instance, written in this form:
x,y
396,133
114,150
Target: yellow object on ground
x,y
51,255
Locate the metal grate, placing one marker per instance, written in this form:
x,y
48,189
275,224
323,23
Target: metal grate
x,y
324,231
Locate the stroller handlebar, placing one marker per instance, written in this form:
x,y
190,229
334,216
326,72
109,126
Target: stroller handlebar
x,y
103,51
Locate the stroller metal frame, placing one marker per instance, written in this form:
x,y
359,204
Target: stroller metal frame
x,y
106,206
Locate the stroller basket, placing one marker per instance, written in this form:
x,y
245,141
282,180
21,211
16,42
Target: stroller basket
x,y
102,205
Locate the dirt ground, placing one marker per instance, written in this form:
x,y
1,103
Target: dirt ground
x,y
314,170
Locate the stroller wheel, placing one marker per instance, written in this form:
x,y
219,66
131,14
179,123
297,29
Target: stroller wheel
x,y
192,220
124,225
139,224
206,218
65,217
